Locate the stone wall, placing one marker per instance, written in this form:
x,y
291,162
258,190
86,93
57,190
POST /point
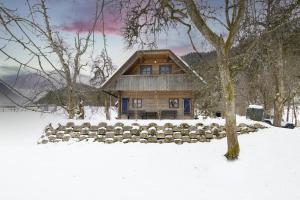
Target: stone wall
x,y
152,133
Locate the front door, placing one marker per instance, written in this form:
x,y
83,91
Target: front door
x,y
186,106
124,105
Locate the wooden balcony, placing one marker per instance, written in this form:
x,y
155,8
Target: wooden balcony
x,y
170,82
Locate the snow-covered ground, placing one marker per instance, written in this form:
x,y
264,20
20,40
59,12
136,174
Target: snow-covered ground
x,y
268,167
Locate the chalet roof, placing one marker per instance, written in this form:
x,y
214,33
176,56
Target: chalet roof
x,y
181,63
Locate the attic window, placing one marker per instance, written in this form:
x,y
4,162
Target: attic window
x,y
146,69
165,69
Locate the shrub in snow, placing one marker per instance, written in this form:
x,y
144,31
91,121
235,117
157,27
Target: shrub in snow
x,y
178,141
152,124
184,132
135,130
86,124
127,128
152,138
135,124
109,140
101,130
48,128
169,138
199,124
49,132
152,130
109,134
184,125
60,134
160,134
194,140
186,139
110,128
168,125
168,131
193,134
127,134
100,138
94,128
102,124
51,138
126,140
215,131
70,124
177,135
135,138
44,141
144,134
83,137
66,137
142,140
208,134
119,124
85,130
118,138
92,134
118,130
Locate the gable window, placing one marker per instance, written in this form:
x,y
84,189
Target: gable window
x,y
136,103
165,69
174,103
146,69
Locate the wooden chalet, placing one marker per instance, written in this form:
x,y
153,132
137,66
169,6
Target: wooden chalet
x,y
153,84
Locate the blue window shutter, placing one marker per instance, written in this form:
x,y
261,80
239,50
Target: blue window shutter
x,y
124,105
186,106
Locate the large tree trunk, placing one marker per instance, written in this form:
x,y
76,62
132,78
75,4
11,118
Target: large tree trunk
x,y
228,89
107,107
71,103
279,84
295,111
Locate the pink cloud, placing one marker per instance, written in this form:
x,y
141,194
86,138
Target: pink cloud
x,y
182,50
112,25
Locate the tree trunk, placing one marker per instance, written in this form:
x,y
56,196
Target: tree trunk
x,y
71,104
288,110
295,111
279,84
107,105
228,89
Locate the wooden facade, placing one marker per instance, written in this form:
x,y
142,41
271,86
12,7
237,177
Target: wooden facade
x,y
153,84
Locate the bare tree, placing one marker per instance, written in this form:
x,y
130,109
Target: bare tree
x,y
102,69
146,19
41,42
270,21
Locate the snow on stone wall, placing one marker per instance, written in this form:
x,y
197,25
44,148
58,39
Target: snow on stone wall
x,y
151,133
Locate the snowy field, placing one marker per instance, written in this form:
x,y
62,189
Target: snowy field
x,y
268,167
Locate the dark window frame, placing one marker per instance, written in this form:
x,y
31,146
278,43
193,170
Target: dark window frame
x,y
142,67
173,105
138,104
169,67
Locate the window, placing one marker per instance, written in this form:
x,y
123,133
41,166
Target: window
x,y
136,103
165,69
173,103
146,69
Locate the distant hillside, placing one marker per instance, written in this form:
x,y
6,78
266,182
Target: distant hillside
x,y
90,96
8,97
33,85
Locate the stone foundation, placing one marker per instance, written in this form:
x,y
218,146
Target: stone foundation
x,y
169,133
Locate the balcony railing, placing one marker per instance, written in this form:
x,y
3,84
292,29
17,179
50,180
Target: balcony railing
x,y
170,82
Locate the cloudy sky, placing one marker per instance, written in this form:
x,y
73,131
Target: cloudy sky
x,y
71,16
